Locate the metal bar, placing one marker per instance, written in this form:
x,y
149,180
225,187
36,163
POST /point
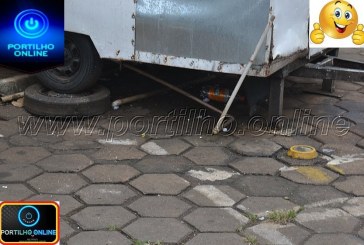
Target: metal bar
x,y
172,87
276,97
243,76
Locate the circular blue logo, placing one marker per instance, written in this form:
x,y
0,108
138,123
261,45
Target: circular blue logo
x,y
28,216
31,23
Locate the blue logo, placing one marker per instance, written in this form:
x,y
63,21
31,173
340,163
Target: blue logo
x,y
28,216
31,23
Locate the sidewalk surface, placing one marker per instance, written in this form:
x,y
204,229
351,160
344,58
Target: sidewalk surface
x,y
200,189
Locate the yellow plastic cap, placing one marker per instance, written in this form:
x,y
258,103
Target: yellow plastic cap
x,y
303,152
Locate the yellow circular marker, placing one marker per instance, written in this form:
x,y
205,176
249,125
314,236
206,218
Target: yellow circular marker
x,y
303,152
339,19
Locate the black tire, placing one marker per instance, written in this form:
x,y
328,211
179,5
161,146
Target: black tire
x,y
81,70
41,101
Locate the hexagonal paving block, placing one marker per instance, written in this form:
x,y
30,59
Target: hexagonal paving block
x,y
264,186
332,136
103,217
351,105
255,147
3,146
268,233
23,140
66,229
214,196
105,194
208,155
324,220
118,153
163,164
75,145
67,202
23,155
355,207
353,167
212,174
358,129
355,116
216,219
167,230
341,150
288,142
257,165
217,239
165,184
52,183
334,239
207,140
8,128
65,163
110,173
318,196
261,206
159,206
165,147
309,175
14,192
18,172
98,238
353,185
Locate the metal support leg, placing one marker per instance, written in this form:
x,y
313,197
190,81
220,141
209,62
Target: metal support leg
x,y
328,85
276,97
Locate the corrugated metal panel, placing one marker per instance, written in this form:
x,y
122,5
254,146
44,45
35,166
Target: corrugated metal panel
x,y
227,31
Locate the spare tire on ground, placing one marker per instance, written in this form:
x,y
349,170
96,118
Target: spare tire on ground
x,y
41,101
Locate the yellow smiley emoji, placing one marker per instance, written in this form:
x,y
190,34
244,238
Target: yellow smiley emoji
x,y
338,19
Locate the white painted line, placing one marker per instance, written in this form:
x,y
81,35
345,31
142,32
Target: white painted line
x,y
326,203
321,215
346,159
216,196
154,149
211,174
270,233
126,142
355,206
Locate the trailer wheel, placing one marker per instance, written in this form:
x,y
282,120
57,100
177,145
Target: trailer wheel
x,y
41,101
81,70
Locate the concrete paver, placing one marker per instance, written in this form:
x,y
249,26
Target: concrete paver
x,y
352,185
67,202
99,237
208,156
23,155
255,148
163,164
217,239
309,175
355,207
109,173
18,172
334,239
257,165
70,163
165,147
14,192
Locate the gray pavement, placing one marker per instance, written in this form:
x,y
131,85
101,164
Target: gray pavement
x,y
200,189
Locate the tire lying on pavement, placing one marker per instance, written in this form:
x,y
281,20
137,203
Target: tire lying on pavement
x,y
41,101
81,69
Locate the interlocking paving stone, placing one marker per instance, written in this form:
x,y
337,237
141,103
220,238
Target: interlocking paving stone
x,y
18,172
358,129
288,142
103,217
165,184
217,239
269,233
262,205
23,155
310,195
110,173
68,203
334,239
98,238
117,153
212,174
361,143
216,219
355,207
52,183
8,112
317,99
350,165
257,165
309,175
208,156
255,147
324,220
353,185
159,206
165,147
65,163
283,157
338,150
265,186
326,110
75,145
105,194
66,229
165,230
163,164
361,233
125,139
348,86
9,128
214,196
3,146
351,105
336,137
23,140
355,116
353,96
14,192
206,140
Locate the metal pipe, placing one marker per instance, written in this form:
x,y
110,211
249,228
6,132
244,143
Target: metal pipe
x,y
243,76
